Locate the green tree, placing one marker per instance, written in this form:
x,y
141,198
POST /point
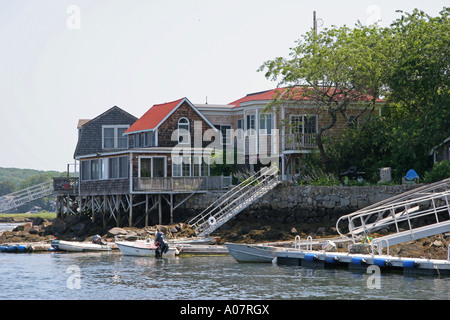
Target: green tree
x,y
337,67
417,114
6,187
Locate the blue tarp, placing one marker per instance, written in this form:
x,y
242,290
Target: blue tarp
x,y
411,175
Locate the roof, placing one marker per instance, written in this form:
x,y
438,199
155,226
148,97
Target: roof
x,y
82,122
157,114
298,93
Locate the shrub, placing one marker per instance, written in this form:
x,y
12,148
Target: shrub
x,y
440,171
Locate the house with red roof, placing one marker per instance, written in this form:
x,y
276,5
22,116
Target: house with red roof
x,y
167,151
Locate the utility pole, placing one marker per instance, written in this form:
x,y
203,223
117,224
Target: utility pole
x,y
314,23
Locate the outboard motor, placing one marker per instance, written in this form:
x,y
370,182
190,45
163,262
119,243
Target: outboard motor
x,y
161,244
97,240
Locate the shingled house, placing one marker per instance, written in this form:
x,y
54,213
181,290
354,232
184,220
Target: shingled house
x,y
126,162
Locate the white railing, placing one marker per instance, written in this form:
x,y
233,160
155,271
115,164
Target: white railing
x,y
403,213
297,141
234,201
21,197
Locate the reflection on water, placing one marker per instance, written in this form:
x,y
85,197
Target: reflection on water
x,y
113,276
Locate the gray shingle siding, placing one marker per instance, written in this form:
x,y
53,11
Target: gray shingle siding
x,y
90,135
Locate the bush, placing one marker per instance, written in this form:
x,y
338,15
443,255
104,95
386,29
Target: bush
x,y
440,171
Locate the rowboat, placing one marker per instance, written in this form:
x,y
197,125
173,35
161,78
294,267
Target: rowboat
x,y
76,246
252,253
142,248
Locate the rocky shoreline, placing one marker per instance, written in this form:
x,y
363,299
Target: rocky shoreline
x,y
79,228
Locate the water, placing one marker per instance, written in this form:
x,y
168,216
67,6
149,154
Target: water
x,y
112,276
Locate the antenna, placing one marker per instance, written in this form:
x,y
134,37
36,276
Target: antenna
x,y
206,99
315,20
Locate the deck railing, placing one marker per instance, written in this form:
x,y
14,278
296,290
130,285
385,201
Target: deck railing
x,y
297,141
65,185
181,183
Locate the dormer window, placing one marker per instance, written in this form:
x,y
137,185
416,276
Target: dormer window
x,y
113,138
184,135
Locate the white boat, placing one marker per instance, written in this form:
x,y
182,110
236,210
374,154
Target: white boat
x,y
142,248
76,246
252,252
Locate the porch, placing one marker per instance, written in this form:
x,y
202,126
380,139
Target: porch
x,y
180,184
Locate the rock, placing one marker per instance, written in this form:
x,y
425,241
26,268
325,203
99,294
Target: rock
x,y
38,221
78,228
173,229
58,226
23,227
116,232
437,243
320,230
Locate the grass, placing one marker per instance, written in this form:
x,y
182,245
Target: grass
x,y
42,214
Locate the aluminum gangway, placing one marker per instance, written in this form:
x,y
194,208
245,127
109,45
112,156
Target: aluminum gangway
x,y
235,200
418,213
21,197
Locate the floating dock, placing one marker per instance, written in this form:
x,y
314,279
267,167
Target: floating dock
x,y
386,263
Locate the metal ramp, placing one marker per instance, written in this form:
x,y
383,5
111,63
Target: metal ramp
x,y
419,213
21,197
235,200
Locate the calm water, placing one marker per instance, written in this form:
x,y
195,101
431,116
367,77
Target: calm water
x,y
110,276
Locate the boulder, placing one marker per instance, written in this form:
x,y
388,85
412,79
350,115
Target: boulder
x,y
58,226
116,232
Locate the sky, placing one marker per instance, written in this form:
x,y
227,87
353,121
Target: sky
x,y
61,61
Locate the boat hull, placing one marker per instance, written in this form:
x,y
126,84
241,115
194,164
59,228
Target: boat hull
x,y
74,246
128,248
251,253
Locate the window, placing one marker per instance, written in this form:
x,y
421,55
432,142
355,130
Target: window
x,y
265,123
240,128
94,169
184,131
189,167
149,139
85,170
250,124
152,167
113,138
181,166
105,168
303,124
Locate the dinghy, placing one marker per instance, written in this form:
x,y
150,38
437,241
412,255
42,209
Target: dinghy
x,y
252,253
76,246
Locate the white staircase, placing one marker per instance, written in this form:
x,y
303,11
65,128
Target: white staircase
x,y
419,213
235,200
21,197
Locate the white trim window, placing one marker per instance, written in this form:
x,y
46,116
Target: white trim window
x,y
113,138
185,166
184,127
250,128
265,124
304,124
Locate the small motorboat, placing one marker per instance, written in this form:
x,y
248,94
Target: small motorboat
x,y
147,248
252,252
76,246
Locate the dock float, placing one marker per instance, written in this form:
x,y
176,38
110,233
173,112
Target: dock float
x,y
386,263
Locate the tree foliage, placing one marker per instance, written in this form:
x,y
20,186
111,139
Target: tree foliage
x,y
407,63
338,67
